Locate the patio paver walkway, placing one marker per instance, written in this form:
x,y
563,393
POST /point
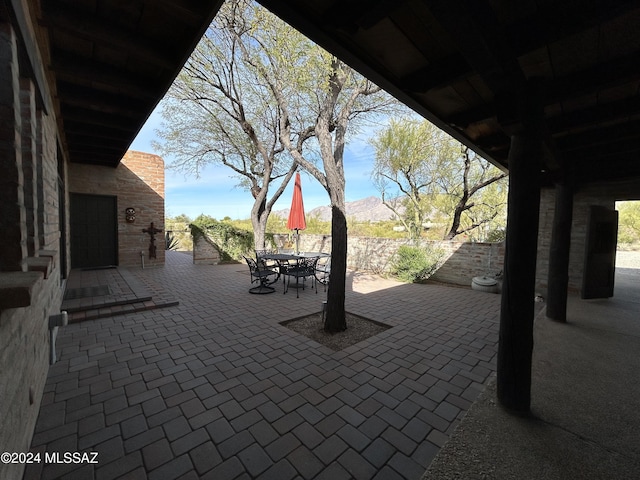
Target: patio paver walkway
x,y
215,388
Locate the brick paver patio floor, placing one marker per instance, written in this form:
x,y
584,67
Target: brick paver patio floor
x,y
215,388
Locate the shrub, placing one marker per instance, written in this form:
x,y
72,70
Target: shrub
x,y
415,264
231,242
496,235
170,241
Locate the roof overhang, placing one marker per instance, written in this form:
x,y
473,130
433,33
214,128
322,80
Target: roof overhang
x,y
457,63
111,62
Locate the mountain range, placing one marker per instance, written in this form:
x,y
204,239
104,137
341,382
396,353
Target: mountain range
x,y
366,209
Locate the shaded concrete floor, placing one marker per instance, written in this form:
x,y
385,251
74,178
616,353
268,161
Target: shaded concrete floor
x,y
585,403
216,388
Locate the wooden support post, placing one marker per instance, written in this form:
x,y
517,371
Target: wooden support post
x,y
558,281
515,345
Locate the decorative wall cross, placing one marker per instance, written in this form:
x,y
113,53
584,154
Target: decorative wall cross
x,y
152,243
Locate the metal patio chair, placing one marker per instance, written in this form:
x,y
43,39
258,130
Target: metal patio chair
x,y
322,272
262,274
304,268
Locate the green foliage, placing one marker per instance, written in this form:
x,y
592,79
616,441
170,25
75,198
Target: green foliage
x,y
629,222
383,229
415,264
178,229
496,235
170,241
232,242
316,226
424,174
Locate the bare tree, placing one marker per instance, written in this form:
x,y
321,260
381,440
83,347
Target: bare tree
x,y
348,96
270,100
420,170
472,184
219,111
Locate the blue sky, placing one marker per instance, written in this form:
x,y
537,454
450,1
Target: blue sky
x,y
215,193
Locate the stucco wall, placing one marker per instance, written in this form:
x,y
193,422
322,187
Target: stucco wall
x,y
137,182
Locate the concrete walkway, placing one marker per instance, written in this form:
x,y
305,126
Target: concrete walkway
x,y
215,388
585,402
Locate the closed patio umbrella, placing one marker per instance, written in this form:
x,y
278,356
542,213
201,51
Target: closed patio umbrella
x,y
296,220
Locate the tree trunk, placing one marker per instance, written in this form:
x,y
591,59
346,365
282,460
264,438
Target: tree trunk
x,y
453,231
259,216
335,319
259,229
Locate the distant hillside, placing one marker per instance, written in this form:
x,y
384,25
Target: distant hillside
x,y
367,209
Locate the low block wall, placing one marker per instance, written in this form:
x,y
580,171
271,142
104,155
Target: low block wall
x,y
461,261
205,252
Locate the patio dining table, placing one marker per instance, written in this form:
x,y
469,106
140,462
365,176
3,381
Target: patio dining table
x,y
284,260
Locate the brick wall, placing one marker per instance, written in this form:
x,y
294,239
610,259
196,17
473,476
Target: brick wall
x,y
581,203
30,259
205,252
138,182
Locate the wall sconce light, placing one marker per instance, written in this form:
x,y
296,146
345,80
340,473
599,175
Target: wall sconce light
x,y
130,214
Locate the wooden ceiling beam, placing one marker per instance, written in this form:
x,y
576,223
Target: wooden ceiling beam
x,y
478,37
607,137
76,128
103,151
619,71
78,115
549,23
189,12
588,118
610,74
356,14
85,143
436,74
93,29
89,99
75,71
96,158
524,36
619,167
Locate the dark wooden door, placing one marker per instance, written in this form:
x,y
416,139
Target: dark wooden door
x,y
600,253
94,234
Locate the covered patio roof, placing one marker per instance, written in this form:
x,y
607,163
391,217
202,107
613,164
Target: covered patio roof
x,y
456,63
459,63
112,62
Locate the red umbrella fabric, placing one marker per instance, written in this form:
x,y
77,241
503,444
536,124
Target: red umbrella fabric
x,y
296,220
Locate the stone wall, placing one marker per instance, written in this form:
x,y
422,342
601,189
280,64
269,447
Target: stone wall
x,y
33,255
137,182
461,261
465,260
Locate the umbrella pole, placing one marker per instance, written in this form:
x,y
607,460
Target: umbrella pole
x,y
297,242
